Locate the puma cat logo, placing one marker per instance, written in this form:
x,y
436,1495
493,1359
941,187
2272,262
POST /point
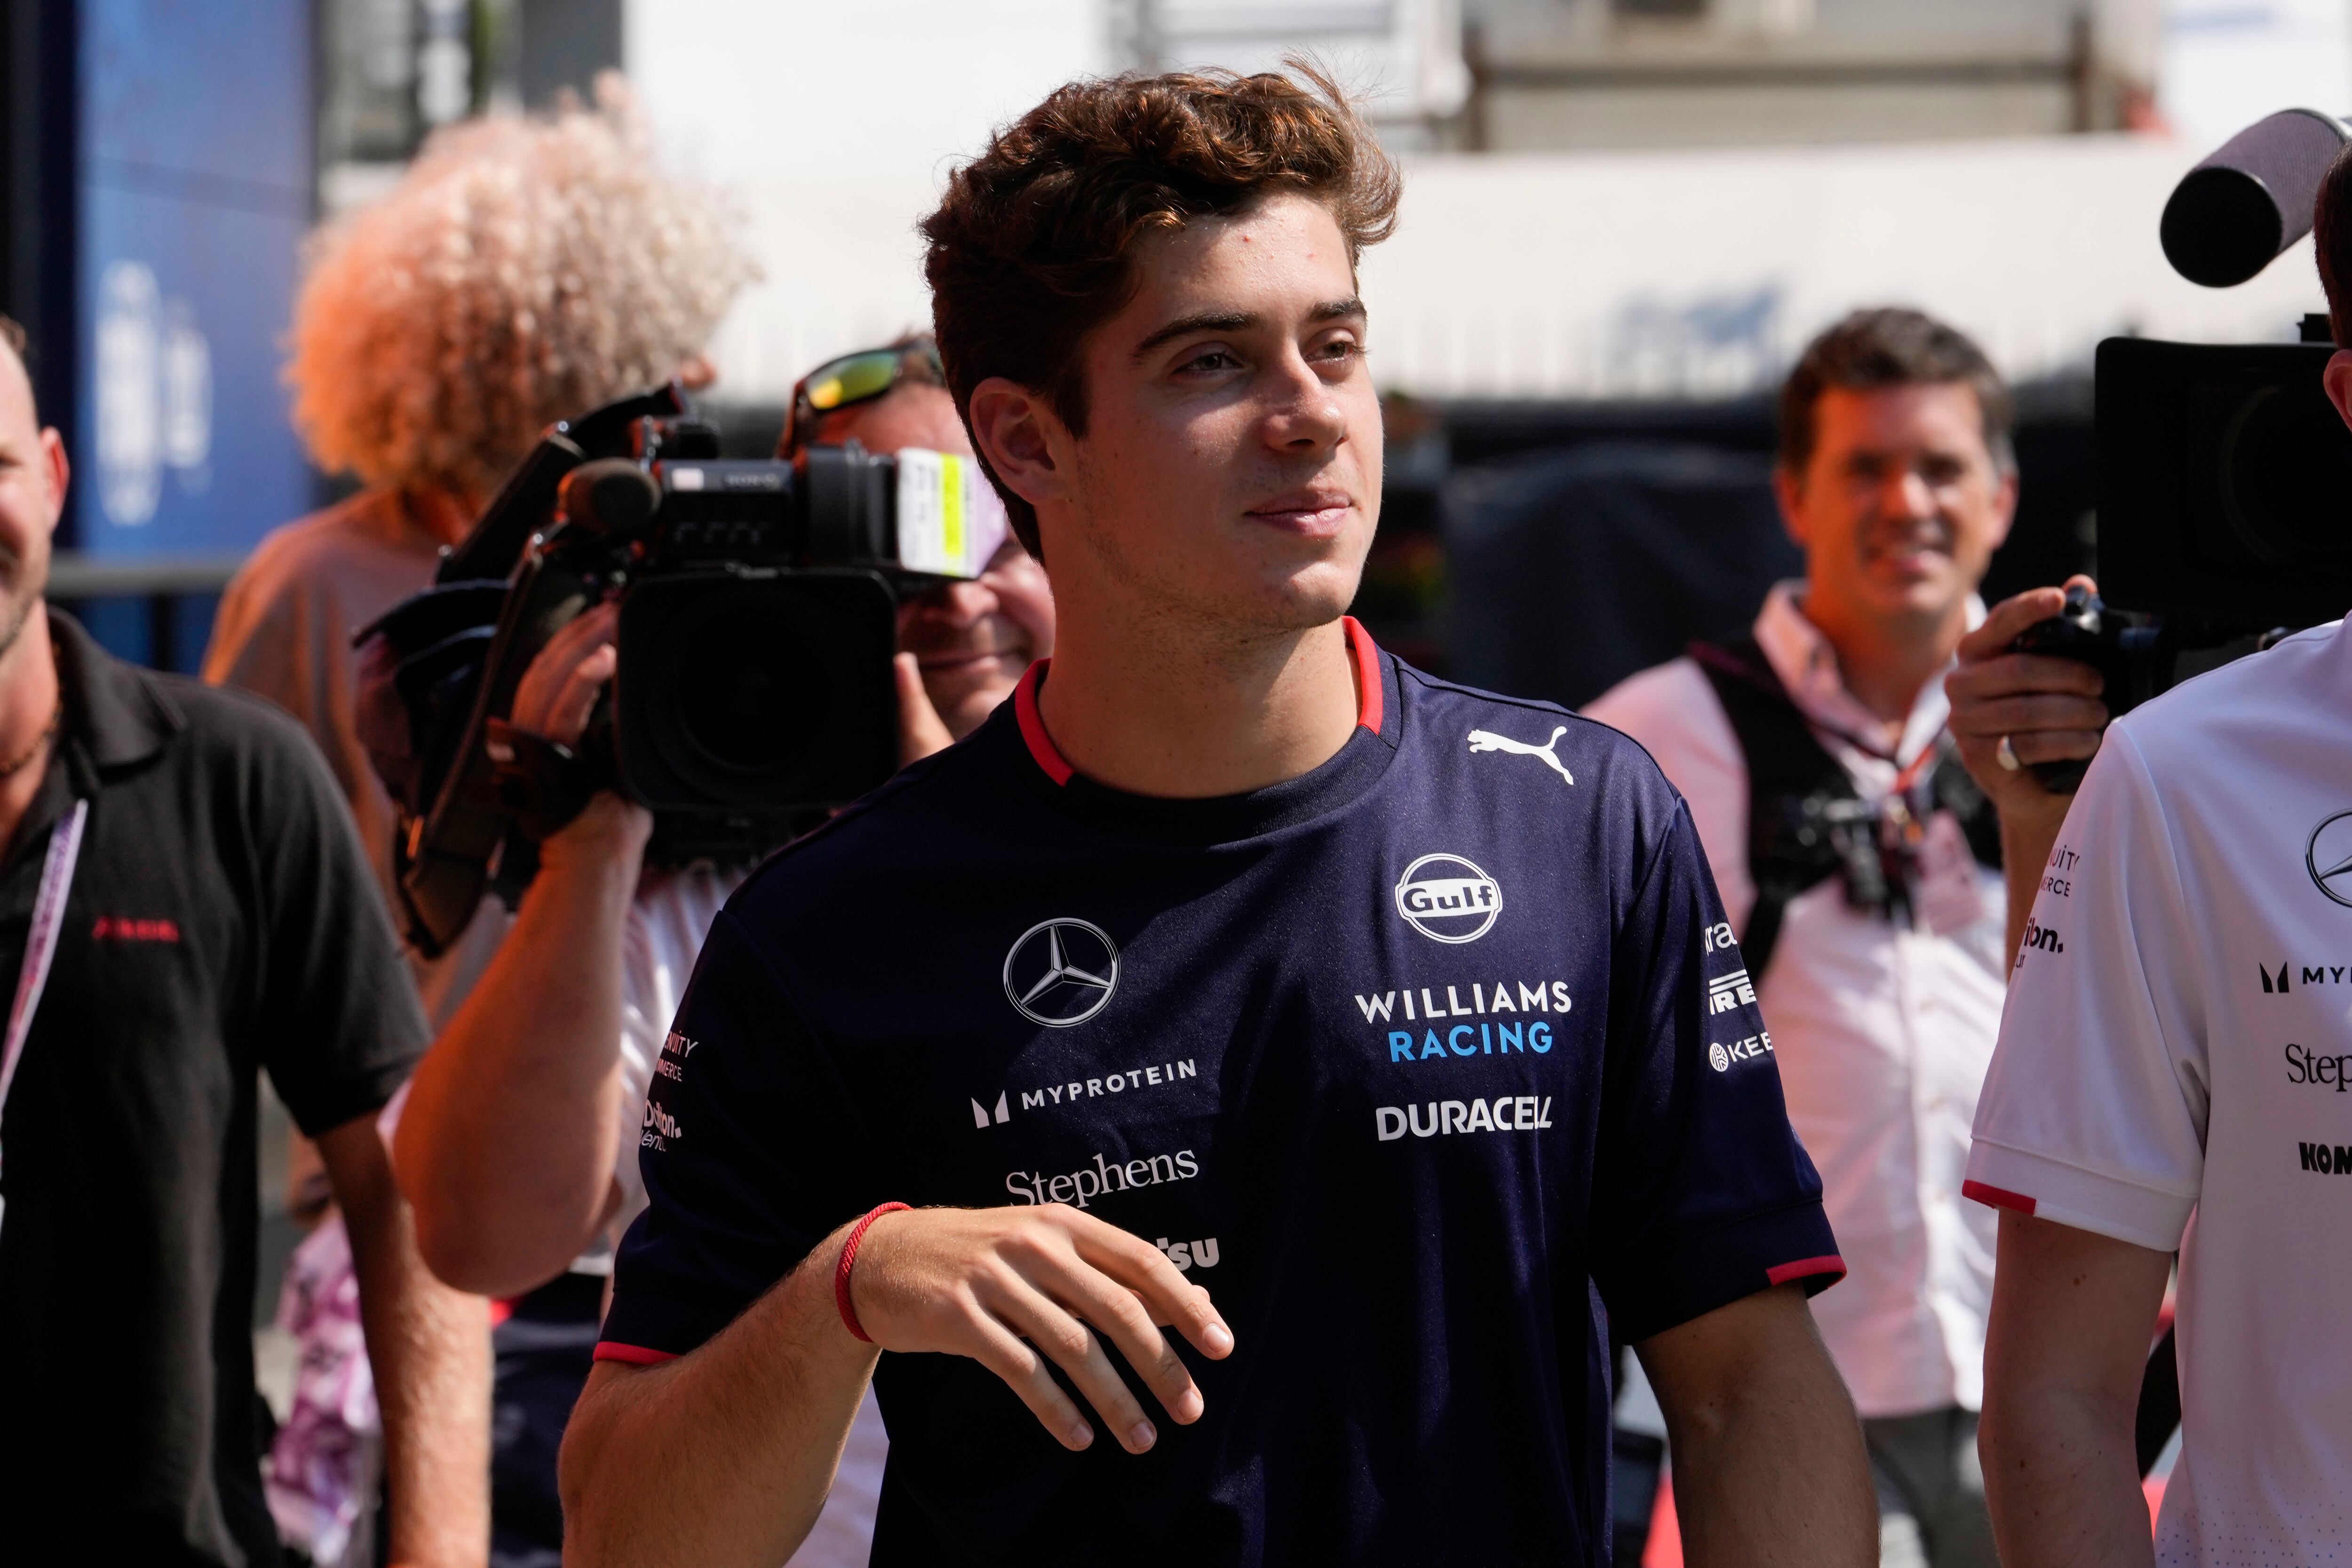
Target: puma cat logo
x,y
1487,741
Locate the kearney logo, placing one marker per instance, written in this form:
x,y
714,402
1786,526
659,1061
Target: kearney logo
x,y
1721,1056
1447,898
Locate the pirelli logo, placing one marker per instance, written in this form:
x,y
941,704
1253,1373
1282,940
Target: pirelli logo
x,y
1729,992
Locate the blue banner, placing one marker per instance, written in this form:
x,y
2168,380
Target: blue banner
x,y
195,187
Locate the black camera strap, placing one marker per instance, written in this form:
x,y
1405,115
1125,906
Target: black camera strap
x,y
1806,821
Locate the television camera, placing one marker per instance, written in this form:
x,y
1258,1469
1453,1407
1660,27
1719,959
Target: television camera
x,y
758,608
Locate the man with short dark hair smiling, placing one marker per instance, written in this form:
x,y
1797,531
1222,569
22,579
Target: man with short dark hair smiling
x,y
1236,956
1876,946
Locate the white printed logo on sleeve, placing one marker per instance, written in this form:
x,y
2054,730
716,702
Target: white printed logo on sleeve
x,y
1487,741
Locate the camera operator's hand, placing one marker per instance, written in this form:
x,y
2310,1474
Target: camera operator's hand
x,y
554,700
921,730
1014,1288
2048,707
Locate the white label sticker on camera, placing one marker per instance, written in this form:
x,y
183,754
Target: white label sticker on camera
x,y
950,519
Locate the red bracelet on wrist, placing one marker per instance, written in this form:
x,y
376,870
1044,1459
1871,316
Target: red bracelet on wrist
x,y
848,1261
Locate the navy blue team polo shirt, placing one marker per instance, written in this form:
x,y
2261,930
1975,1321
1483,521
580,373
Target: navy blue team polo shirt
x,y
1432,1065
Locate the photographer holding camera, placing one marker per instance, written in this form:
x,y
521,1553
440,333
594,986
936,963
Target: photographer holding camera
x,y
519,1140
1859,866
2171,1076
521,270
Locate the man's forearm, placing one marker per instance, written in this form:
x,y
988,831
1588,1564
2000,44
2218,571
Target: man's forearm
x,y
429,1347
2062,1476
1769,1463
507,1144
724,1456
2065,1353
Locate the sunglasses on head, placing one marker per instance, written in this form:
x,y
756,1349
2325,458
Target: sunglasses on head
x,y
853,379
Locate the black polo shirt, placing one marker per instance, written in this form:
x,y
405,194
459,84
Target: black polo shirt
x,y
222,919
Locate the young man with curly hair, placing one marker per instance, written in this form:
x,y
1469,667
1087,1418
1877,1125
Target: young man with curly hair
x,y
1231,955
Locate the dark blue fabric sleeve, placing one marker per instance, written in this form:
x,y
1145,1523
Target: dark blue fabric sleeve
x,y
745,1150
1701,1193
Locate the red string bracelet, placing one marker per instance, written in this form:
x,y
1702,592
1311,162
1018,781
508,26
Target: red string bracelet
x,y
848,1261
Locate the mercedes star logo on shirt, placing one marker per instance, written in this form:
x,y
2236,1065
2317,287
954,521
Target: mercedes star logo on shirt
x,y
2329,857
1061,971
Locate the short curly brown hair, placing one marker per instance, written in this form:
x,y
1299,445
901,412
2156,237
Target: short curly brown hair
x,y
1033,245
1889,346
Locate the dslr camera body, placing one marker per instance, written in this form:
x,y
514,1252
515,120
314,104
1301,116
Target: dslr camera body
x,y
758,608
2224,475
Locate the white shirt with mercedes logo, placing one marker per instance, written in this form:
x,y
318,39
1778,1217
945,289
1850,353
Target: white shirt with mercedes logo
x,y
2170,1072
1882,1032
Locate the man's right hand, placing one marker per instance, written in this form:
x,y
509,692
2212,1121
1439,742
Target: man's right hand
x,y
554,700
1014,1288
2047,707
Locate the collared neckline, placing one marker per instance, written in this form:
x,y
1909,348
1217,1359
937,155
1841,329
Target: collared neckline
x,y
119,714
116,716
1807,665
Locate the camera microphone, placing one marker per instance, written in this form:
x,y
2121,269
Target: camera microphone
x,y
2234,213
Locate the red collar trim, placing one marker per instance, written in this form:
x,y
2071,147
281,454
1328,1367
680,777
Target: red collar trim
x,y
1368,712
1032,725
1048,757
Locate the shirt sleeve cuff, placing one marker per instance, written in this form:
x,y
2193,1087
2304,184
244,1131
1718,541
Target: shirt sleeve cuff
x,y
320,1112
2036,1184
1671,1284
645,1327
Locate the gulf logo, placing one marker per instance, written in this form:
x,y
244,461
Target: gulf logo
x,y
1448,899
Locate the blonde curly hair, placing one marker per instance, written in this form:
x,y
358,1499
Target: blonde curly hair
x,y
524,270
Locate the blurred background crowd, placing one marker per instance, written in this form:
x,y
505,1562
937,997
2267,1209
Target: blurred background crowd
x,y
1670,198
1621,221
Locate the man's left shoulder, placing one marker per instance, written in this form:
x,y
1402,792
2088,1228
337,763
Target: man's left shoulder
x,y
225,731
1536,746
